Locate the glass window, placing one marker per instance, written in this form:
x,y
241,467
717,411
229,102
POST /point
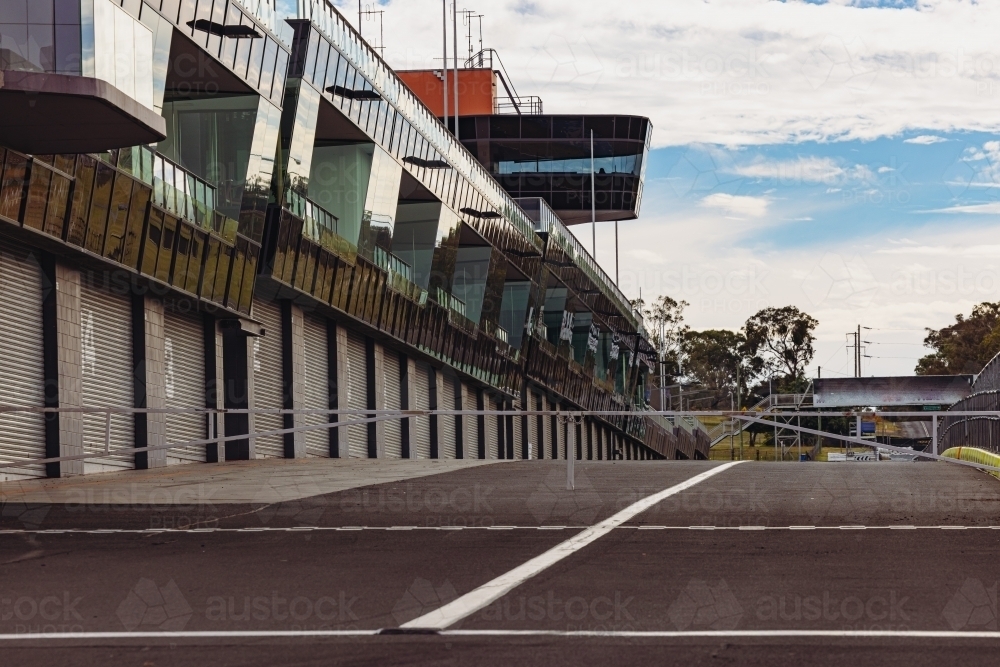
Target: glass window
x,y
230,46
267,68
278,87
151,250
324,54
256,60
38,195
213,138
99,205
310,66
136,217
211,266
330,78
339,180
222,274
167,242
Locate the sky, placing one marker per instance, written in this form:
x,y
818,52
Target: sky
x,y
842,157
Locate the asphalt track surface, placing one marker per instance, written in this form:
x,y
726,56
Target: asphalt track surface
x,y
760,563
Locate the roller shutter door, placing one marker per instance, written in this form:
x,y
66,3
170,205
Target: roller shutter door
x,y
471,443
184,370
518,442
267,380
316,384
532,428
547,432
357,394
421,401
446,423
391,385
107,373
492,444
22,373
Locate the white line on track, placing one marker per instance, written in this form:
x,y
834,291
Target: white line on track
x,y
583,634
295,529
475,600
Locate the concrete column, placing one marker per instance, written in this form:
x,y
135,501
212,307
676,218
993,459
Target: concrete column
x,y
154,349
469,448
70,368
343,382
380,386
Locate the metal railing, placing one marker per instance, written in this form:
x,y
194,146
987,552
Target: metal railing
x,y
450,301
391,264
529,104
176,189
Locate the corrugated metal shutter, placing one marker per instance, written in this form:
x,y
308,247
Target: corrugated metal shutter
x,y
518,442
267,379
533,426
22,373
421,441
472,429
446,423
492,444
391,385
106,355
547,430
184,368
357,394
316,384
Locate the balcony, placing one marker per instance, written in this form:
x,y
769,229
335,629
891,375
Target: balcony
x,y
76,79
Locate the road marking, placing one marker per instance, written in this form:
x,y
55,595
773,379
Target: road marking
x,y
453,634
265,529
475,600
685,634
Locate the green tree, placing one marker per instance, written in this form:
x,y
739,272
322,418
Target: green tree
x,y
783,339
717,359
664,322
965,346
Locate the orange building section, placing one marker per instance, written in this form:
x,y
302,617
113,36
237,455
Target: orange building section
x,y
477,90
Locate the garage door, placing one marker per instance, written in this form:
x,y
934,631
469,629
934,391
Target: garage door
x,y
533,426
518,442
106,356
392,400
471,425
267,379
550,448
357,394
184,370
316,384
421,441
492,435
446,423
22,374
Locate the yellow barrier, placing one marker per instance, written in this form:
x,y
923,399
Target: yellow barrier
x,y
974,455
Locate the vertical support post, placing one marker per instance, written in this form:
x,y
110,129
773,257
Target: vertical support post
x,y
454,35
444,56
934,435
570,453
593,201
616,253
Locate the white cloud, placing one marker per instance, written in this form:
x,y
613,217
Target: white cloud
x,y
754,207
925,140
788,172
739,72
992,208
